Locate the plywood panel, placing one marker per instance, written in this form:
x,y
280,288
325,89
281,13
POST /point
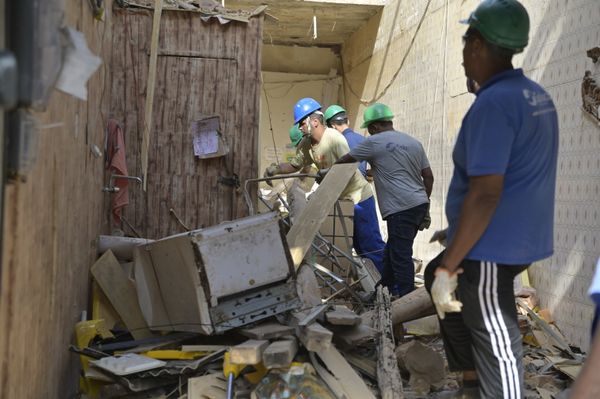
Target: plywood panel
x,y
203,69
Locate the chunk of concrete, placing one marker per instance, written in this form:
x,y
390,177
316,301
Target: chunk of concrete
x,y
249,352
425,365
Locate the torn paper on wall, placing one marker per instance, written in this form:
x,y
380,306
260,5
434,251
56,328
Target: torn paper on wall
x,y
79,65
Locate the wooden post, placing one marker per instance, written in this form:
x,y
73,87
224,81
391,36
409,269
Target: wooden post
x,y
388,374
150,89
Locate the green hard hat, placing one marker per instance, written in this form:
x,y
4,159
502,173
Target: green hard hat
x,y
504,23
295,135
377,112
332,111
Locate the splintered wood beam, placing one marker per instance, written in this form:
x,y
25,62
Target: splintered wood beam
x,y
388,374
303,232
150,89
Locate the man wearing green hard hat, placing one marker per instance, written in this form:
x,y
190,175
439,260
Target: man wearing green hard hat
x,y
322,146
337,118
403,180
499,206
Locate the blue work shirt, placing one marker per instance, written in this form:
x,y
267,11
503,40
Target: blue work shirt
x,y
353,140
512,130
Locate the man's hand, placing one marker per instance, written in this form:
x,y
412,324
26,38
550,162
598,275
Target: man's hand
x,y
442,292
440,236
321,175
426,222
271,171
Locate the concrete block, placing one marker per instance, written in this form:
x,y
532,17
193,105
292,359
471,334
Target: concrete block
x,y
342,316
249,352
315,337
280,353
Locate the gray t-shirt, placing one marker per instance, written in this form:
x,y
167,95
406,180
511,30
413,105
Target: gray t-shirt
x,y
397,160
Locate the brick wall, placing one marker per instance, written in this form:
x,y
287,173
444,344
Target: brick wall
x,y
426,89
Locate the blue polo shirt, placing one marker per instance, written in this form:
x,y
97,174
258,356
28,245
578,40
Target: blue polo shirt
x,y
353,140
512,130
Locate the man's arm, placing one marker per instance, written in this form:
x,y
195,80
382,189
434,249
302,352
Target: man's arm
x,y
427,176
346,159
587,385
475,216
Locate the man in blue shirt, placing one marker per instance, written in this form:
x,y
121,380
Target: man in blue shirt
x,y
337,118
500,204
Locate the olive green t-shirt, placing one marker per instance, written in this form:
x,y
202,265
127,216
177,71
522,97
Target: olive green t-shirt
x,y
324,154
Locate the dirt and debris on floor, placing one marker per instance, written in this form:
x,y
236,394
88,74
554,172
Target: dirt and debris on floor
x,y
243,310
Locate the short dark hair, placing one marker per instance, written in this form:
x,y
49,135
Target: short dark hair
x,y
318,116
339,119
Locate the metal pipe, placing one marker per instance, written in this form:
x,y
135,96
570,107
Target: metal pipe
x,y
247,197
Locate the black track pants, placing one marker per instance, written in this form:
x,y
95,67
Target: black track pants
x,y
485,335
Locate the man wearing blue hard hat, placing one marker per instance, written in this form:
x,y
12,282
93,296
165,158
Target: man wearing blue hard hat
x,y
323,146
500,205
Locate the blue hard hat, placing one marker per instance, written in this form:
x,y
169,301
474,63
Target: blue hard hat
x,y
305,107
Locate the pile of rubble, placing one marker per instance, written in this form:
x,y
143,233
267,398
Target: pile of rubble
x,y
242,310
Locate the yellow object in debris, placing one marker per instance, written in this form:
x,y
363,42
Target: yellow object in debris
x,y
256,376
230,368
173,354
85,331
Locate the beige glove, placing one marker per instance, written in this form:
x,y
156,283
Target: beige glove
x,y
442,292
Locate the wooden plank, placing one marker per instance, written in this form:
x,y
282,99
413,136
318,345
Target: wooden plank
x,y
301,235
352,383
388,374
280,353
121,293
267,330
249,352
150,89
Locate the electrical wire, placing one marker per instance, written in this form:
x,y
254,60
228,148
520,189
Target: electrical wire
x,y
393,79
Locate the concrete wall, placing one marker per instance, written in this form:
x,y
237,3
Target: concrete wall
x,y
289,74
414,65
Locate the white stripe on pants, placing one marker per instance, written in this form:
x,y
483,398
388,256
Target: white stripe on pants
x,y
496,328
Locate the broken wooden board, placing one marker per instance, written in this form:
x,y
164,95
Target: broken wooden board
x,y
388,374
352,383
121,293
280,353
302,233
315,337
249,352
148,290
358,335
342,316
150,83
102,309
203,348
363,364
269,330
210,386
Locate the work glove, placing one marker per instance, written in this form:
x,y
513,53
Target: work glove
x,y
321,175
441,236
426,222
443,292
271,171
